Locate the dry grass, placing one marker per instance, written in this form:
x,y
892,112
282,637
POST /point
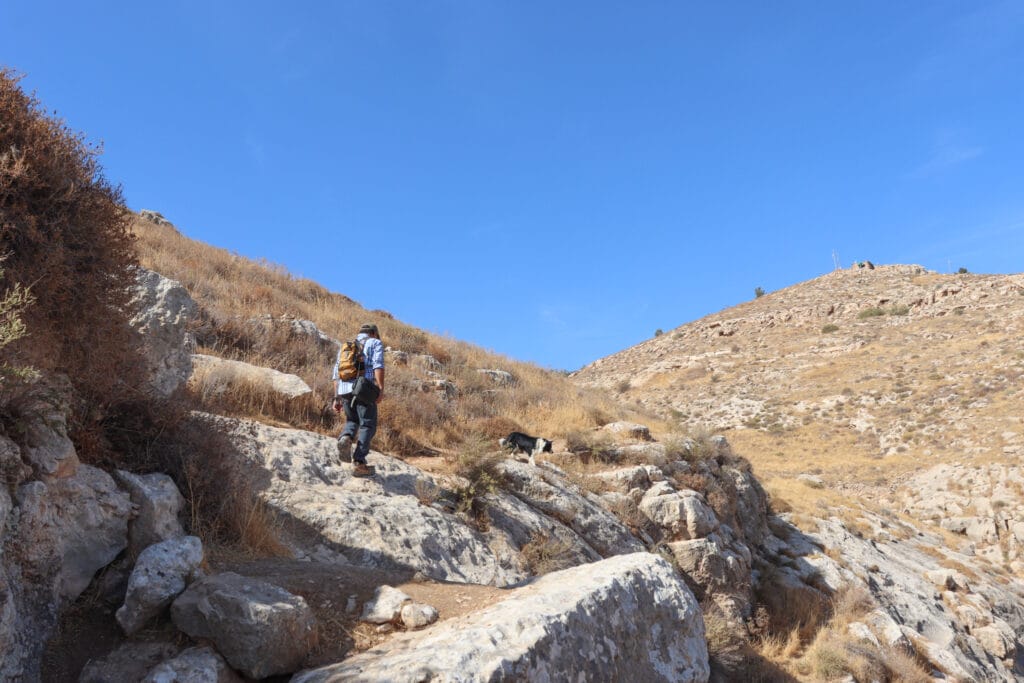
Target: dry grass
x,y
831,652
546,553
416,417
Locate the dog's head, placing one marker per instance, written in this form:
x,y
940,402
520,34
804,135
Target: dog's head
x,y
502,442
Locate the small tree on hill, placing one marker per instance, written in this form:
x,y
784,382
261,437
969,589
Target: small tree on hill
x,y
758,292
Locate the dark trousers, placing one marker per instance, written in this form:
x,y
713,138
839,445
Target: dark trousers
x,y
363,417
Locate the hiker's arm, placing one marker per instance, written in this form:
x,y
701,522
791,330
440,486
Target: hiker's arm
x,y
378,377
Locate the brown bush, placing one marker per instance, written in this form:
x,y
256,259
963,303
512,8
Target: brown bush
x,y
65,231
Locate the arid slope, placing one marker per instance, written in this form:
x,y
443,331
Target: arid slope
x,y
860,376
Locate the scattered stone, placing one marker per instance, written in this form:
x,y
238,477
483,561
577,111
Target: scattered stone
x,y
385,606
194,665
161,573
417,615
129,662
158,502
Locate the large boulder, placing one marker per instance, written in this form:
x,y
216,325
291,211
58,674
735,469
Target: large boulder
x,y
158,503
218,375
164,311
625,618
71,528
261,629
377,523
161,573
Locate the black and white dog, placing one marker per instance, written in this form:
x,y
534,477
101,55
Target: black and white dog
x,y
531,445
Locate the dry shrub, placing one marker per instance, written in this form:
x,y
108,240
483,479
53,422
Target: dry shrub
x,y
590,445
233,292
65,231
545,553
481,468
730,653
791,606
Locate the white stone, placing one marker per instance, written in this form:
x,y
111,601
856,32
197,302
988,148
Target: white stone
x,y
165,310
158,502
385,606
417,615
161,573
217,375
194,665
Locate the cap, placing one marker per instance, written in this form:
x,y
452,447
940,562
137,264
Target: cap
x,y
369,328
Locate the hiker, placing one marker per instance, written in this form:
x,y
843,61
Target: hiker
x,y
358,397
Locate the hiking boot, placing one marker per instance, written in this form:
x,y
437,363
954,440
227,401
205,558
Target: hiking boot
x,y
345,448
361,469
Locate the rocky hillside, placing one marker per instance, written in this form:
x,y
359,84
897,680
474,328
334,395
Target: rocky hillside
x,y
860,375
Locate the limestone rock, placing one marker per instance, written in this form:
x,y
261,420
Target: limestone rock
x,y
164,311
630,430
219,374
417,615
129,662
154,217
72,527
158,502
500,377
683,514
160,575
262,630
386,605
998,639
194,665
625,618
548,493
376,522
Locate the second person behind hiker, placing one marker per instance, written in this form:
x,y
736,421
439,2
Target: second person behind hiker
x,y
361,413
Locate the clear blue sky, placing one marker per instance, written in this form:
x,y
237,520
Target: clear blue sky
x,y
552,180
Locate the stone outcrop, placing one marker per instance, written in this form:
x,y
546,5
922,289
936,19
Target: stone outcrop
x,y
376,522
966,626
158,503
262,630
165,310
625,618
161,573
217,375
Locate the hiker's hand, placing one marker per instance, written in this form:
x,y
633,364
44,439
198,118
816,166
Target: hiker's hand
x,y
380,396
337,404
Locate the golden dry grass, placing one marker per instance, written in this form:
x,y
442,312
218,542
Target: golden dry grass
x,y
415,417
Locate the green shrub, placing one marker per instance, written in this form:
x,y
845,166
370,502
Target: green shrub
x,y
899,310
872,312
962,270
829,328
758,292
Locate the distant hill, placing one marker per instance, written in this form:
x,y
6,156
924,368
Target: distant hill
x,y
860,375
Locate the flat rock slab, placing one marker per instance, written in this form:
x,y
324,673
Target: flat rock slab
x,y
626,618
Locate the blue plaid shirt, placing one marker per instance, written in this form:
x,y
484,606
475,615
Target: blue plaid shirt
x,y
373,355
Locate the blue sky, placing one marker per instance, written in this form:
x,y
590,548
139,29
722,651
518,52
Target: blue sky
x,y
553,181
